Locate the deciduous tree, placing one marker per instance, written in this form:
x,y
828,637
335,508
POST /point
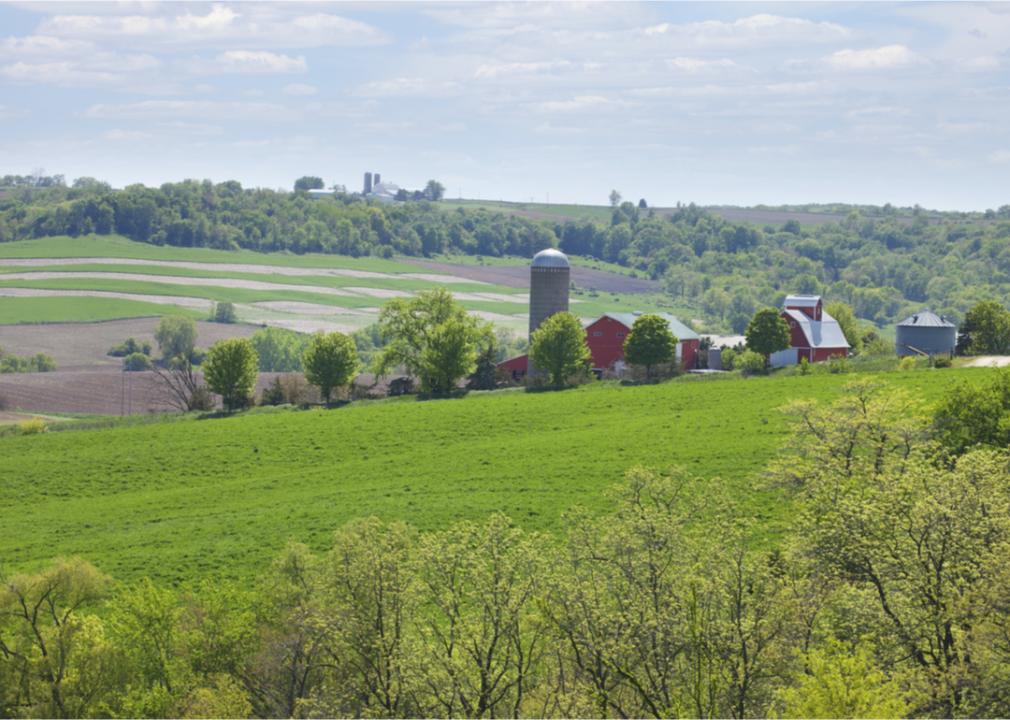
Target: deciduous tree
x,y
330,362
767,333
650,343
230,369
558,347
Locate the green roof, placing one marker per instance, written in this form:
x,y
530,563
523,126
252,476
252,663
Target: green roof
x,y
682,331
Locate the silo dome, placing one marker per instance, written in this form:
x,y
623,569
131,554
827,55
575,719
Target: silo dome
x,y
550,258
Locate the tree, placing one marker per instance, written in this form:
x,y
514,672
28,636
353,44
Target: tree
x,y
615,198
330,361
842,312
559,347
432,337
642,205
231,368
309,182
223,313
767,333
176,337
650,343
434,190
987,325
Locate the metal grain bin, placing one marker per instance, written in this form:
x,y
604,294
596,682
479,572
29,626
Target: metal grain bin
x,y
925,333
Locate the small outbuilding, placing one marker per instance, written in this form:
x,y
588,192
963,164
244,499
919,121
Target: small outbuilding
x,y
925,334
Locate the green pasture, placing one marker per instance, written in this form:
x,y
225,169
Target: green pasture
x,y
118,246
14,310
195,497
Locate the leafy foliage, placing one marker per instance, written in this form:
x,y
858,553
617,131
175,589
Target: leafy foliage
x,y
176,337
650,343
987,328
558,347
330,362
432,338
767,332
230,369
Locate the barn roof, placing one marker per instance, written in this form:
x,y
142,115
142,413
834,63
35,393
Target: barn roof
x,y
801,300
682,331
926,319
826,333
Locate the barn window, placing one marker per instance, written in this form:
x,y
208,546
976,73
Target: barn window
x,y
620,334
597,333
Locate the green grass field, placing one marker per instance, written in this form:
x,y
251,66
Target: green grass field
x,y
82,309
187,498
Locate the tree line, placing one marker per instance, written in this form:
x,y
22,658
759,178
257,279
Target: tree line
x,y
883,262
886,598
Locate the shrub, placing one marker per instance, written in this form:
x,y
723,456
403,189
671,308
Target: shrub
x,y
908,363
129,347
837,365
804,366
135,362
223,313
35,426
750,363
729,356
202,399
285,390
940,361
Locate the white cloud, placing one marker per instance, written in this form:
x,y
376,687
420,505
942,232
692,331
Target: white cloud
x,y
244,24
761,29
65,74
575,104
882,58
120,135
1000,157
490,71
259,61
409,87
300,90
45,46
167,109
696,65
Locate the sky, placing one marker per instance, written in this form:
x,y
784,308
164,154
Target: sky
x,y
713,103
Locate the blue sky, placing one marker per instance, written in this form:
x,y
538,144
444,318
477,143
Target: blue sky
x,y
716,103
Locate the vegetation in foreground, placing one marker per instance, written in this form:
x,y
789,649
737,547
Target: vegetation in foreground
x,y
190,498
887,598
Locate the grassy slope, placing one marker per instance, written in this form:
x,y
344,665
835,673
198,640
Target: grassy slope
x,y
82,309
117,246
189,498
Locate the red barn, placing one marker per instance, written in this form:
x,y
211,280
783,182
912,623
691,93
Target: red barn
x,y
813,333
605,338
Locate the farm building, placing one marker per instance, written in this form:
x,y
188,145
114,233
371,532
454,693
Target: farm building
x,y
605,337
925,333
813,333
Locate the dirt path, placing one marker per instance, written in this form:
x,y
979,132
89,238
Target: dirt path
x,y
518,276
989,361
190,302
233,267
179,280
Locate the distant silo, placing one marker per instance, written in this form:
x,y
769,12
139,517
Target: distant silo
x,y
378,179
925,333
550,278
368,182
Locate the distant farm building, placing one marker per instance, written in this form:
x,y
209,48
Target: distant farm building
x,y
926,334
813,333
605,337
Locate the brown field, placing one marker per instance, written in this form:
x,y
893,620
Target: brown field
x,y
81,346
518,276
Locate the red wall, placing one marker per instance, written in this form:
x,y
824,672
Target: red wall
x,y
607,347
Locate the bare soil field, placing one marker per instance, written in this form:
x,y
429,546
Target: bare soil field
x,y
178,280
98,391
83,346
518,276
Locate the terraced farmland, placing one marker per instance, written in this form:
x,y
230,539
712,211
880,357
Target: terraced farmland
x,y
46,280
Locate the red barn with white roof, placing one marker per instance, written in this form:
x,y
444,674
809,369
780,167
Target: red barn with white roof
x,y
813,333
